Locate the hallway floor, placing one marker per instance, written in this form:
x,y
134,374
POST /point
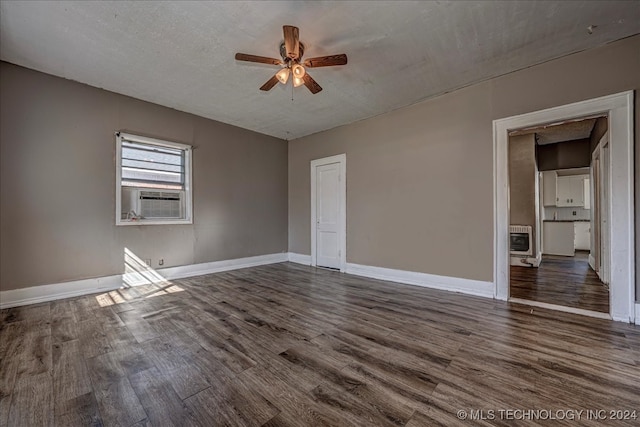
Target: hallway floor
x,y
561,280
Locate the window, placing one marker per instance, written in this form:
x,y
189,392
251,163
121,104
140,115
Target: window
x,y
153,181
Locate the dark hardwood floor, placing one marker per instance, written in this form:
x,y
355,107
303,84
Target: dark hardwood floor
x,y
561,280
288,345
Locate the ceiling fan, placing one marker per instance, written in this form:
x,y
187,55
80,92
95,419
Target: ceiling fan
x,y
291,51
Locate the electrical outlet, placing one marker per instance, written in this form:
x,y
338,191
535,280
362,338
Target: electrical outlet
x,y
161,261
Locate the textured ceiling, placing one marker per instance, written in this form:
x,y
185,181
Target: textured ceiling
x,y
559,132
181,54
565,132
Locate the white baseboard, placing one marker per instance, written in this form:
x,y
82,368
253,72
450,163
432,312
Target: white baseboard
x,y
44,293
299,258
218,266
538,259
528,261
637,316
445,283
592,262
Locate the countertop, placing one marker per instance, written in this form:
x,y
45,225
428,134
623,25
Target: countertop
x,y
567,220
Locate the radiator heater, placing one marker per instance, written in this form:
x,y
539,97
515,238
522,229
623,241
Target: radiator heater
x,y
520,240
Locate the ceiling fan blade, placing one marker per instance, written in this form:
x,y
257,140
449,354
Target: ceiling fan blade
x,y
270,84
291,41
255,58
311,84
326,61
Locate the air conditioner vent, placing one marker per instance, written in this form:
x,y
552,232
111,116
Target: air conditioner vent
x,y
161,204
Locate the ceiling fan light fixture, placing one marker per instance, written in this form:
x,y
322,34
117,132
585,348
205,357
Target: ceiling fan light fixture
x,y
298,71
292,52
283,75
297,81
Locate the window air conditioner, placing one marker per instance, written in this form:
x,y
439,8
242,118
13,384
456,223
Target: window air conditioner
x,y
160,204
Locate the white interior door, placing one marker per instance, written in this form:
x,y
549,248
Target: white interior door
x,y
328,212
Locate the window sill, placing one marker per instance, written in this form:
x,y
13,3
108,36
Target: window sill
x,y
152,222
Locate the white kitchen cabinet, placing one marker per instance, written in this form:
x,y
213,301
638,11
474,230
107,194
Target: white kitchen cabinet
x,y
570,191
582,232
587,193
549,188
558,238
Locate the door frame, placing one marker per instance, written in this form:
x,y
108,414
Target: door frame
x,y
594,258
619,108
342,215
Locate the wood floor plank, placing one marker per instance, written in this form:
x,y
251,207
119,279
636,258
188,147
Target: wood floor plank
x,y
231,404
209,369
79,411
5,404
109,367
118,403
93,339
161,403
8,373
218,345
295,375
138,326
36,359
32,314
185,379
64,329
83,307
296,406
32,402
120,338
359,405
290,345
561,280
70,375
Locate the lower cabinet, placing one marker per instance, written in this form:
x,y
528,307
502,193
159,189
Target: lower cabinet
x,y
582,235
558,238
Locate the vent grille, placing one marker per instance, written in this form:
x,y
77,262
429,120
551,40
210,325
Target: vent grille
x,y
161,204
519,229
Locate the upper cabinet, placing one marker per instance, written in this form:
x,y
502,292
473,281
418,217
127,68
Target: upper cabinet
x,y
565,190
549,188
587,194
570,191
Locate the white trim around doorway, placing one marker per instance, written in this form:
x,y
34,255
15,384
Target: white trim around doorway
x,y
342,160
619,108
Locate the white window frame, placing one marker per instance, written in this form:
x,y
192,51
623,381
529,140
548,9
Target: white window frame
x,y
188,205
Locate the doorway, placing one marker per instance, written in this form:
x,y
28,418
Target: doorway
x,y
619,109
328,212
550,192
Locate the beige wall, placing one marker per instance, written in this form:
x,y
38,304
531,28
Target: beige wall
x,y
522,183
420,179
57,154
